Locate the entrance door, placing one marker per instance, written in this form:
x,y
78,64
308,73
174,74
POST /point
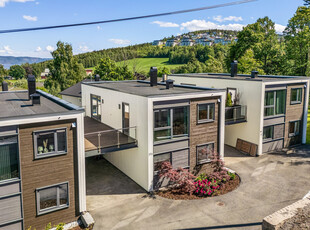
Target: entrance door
x,y
125,116
96,107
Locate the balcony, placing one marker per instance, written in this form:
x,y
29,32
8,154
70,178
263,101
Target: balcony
x,y
236,114
100,138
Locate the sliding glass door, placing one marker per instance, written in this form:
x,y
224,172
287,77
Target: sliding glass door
x,y
96,107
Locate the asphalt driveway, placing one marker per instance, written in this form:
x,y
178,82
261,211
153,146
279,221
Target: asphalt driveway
x,y
269,183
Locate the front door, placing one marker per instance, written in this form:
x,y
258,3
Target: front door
x,y
125,117
96,107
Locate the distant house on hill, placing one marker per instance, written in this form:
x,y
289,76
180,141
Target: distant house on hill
x,y
89,71
203,41
171,42
157,43
45,73
186,42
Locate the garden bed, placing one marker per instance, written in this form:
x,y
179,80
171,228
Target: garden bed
x,y
176,195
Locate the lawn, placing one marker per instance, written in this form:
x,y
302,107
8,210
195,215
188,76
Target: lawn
x,y
144,64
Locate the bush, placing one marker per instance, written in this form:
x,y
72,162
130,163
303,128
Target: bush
x,y
219,172
232,175
206,187
21,84
180,179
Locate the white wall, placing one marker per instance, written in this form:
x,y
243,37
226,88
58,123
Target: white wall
x,y
74,100
133,162
251,96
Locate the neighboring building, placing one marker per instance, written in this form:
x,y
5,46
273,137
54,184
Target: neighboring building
x,y
73,94
89,71
203,41
172,42
157,43
153,124
270,112
45,74
42,160
186,42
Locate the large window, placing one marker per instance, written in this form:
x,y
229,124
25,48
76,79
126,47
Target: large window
x,y
268,133
96,107
159,159
8,158
294,128
52,198
296,95
274,103
49,143
170,123
206,113
203,153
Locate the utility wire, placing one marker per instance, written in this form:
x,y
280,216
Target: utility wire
x,y
127,19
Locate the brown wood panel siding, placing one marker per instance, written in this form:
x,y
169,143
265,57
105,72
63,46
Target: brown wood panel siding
x,y
294,112
202,133
44,172
180,159
278,131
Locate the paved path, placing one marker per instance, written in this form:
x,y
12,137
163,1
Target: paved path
x,y
269,183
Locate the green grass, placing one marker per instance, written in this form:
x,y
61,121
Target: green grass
x,y
144,64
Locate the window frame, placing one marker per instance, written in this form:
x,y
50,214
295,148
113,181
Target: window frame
x,y
295,127
98,105
204,161
56,208
299,89
269,139
49,154
274,103
208,120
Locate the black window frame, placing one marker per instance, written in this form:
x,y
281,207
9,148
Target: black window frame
x,y
54,153
208,120
299,94
299,126
274,105
99,106
203,161
55,208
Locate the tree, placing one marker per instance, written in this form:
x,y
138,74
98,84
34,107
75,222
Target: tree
x,y
307,2
17,72
109,71
28,69
163,70
3,71
297,37
65,70
214,66
247,63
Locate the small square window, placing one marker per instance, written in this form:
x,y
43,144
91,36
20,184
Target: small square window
x,y
158,159
206,113
49,143
268,133
52,198
294,128
203,153
296,95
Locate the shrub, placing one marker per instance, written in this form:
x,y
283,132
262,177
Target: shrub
x,y
180,179
201,177
206,187
48,226
219,172
232,175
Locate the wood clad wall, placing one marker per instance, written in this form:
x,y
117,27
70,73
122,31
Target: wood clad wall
x,y
44,172
293,113
202,133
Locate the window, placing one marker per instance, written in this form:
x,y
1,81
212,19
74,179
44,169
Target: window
x,y
274,102
170,123
49,143
96,107
296,96
52,198
206,113
268,133
203,153
158,159
294,128
9,162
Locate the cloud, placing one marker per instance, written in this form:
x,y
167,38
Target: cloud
x,y
3,2
279,28
38,49
99,28
219,18
165,24
37,3
30,18
206,25
6,50
119,41
84,48
50,48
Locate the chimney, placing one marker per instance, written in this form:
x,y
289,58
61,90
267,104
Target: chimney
x,y
234,69
97,77
31,85
169,83
164,78
5,86
254,74
35,99
153,75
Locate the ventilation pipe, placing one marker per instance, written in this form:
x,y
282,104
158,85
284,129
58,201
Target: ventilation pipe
x,y
153,75
5,86
254,74
234,69
31,85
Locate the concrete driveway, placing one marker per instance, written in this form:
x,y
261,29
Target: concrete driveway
x,y
269,183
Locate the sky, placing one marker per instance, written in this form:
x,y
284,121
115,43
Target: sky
x,y
34,13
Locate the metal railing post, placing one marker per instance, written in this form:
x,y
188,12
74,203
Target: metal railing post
x,y
118,144
99,146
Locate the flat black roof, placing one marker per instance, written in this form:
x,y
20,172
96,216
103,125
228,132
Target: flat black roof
x,y
75,90
16,104
143,88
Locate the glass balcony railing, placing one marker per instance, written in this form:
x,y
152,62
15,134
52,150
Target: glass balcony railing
x,y
235,114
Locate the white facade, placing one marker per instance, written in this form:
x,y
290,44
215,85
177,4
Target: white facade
x,y
74,100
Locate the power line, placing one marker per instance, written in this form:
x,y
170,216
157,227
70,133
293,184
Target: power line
x,y
127,19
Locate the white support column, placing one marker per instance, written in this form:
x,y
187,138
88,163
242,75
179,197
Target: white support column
x,y
222,126
150,144
261,121
304,130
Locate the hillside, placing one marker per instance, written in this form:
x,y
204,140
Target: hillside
x,y
8,61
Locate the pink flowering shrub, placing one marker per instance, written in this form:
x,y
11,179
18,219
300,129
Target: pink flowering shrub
x,y
206,187
179,179
219,173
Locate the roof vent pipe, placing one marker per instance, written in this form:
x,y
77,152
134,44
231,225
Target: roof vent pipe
x,y
31,85
234,69
153,75
35,99
5,86
164,78
97,77
254,74
169,83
